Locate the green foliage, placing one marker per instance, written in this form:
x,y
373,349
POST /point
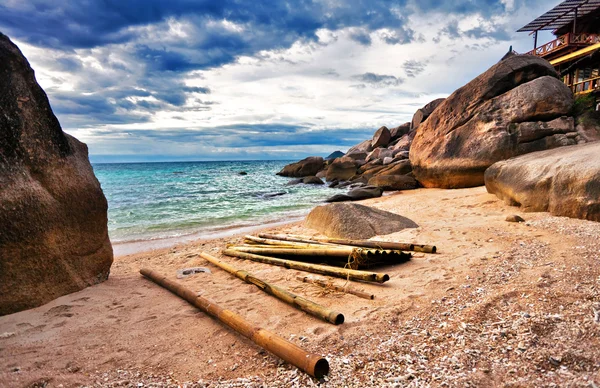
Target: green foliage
x,y
584,110
583,104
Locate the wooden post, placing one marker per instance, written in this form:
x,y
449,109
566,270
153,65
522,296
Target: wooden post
x,y
312,364
534,41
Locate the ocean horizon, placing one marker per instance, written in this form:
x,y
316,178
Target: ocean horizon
x,y
168,200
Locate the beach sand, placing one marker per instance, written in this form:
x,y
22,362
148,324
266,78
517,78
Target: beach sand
x,y
501,304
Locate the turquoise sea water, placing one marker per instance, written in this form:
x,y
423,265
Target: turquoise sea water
x,y
149,201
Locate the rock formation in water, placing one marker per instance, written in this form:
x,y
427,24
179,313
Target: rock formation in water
x,y
53,214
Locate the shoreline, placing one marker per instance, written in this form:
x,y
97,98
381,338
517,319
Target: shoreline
x,y
127,248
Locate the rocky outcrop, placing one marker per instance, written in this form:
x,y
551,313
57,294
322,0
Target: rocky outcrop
x,y
354,221
53,214
341,169
563,181
312,180
393,182
399,131
423,113
306,167
357,194
364,146
484,122
381,138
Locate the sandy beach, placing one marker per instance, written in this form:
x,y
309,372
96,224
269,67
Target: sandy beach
x,y
501,304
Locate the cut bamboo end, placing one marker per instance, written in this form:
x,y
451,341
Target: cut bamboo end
x,y
356,243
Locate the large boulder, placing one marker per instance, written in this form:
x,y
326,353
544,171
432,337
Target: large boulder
x,y
393,182
399,131
53,214
480,123
403,143
364,146
379,153
423,113
306,167
357,194
381,138
354,221
341,169
563,181
312,180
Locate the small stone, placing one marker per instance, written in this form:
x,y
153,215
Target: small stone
x,y
515,218
555,360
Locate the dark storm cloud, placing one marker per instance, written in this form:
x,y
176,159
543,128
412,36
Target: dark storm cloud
x,y
140,64
247,136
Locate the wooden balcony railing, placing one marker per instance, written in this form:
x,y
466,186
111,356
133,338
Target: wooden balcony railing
x,y
565,40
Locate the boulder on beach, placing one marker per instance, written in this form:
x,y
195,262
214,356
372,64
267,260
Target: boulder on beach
x,y
306,167
496,116
399,131
364,146
563,181
394,182
423,113
354,221
312,180
381,138
53,214
357,194
341,169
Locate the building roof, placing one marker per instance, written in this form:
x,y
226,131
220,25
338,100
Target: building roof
x,y
561,15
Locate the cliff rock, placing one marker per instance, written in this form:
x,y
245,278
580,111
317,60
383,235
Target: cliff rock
x,y
508,110
53,214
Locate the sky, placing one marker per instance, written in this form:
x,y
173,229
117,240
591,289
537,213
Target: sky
x,y
157,80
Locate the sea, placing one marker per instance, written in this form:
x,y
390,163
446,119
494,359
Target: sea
x,y
176,201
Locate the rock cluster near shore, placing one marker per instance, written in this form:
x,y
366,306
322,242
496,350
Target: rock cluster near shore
x,y
516,107
53,214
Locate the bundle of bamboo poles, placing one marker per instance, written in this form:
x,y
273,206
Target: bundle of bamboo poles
x,y
357,243
341,255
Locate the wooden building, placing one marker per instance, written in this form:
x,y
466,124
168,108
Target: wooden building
x,y
575,53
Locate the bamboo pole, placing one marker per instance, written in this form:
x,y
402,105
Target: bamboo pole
x,y
264,241
280,293
312,364
353,257
361,243
346,290
344,273
293,238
